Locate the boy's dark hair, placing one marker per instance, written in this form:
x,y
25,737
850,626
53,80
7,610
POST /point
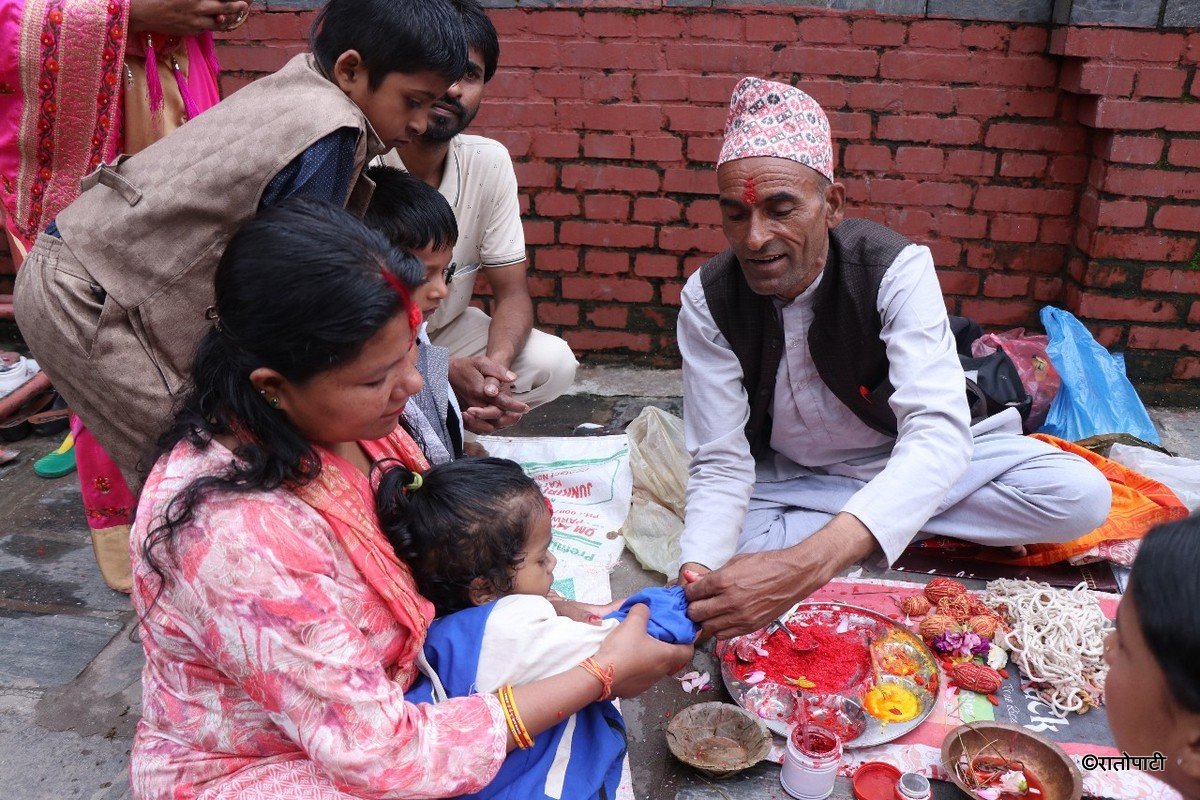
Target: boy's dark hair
x,y
469,519
392,36
481,35
1166,596
300,289
408,211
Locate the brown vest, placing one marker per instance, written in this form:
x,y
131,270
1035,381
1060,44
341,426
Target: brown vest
x,y
844,339
150,229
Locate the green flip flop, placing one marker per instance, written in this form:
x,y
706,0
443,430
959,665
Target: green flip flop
x,y
59,463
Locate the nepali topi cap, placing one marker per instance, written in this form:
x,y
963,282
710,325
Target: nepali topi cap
x,y
767,118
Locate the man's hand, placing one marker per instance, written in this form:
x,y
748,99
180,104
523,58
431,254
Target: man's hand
x,y
488,419
751,590
185,17
480,382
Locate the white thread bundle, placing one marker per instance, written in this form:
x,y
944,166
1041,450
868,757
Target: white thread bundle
x,y
1056,638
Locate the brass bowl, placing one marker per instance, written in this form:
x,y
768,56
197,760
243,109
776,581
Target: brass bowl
x,y
719,739
1060,778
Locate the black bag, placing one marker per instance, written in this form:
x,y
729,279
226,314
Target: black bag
x,y
993,383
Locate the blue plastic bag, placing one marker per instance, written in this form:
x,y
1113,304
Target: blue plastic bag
x,y
1095,396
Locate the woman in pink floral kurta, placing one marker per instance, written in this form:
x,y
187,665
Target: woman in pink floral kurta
x,y
280,629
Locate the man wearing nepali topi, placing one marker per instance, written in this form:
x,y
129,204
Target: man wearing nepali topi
x,y
824,404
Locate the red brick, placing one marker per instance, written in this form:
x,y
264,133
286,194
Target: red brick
x,y
962,226
1142,247
1091,77
656,209
919,193
912,222
1068,169
602,146
1184,153
713,57
552,144
556,259
985,37
1171,280
1178,218
258,58
554,23
991,101
961,283
606,234
825,30
1014,70
830,94
1194,313
1010,228
539,232
1186,369
1120,213
614,117
531,53
937,34
1145,338
558,313
927,160
867,157
901,97
605,55
1133,149
586,341
1104,276
668,86
1054,202
1152,183
1028,39
554,204
1000,285
690,181
1047,138
945,252
516,142
608,88
519,115
933,67
711,89
716,27
877,32
1140,46
827,61
657,148
670,293
620,289
698,119
703,149
1191,53
531,173
609,317
686,240
999,312
273,25
970,162
1022,165
606,206
1048,290
704,212
849,126
1082,42
1015,257
609,24
558,84
586,177
937,130
669,26
1057,230
770,28
650,265
605,262
1142,115
1160,82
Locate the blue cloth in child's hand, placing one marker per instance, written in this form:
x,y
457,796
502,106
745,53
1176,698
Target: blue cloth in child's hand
x,y
669,621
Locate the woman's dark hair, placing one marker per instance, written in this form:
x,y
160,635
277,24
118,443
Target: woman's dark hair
x,y
410,212
481,35
1166,596
392,36
300,289
469,519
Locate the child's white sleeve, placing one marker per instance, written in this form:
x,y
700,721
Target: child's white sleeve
x,y
525,640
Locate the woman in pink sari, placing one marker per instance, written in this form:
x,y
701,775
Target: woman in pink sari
x,y
281,631
81,82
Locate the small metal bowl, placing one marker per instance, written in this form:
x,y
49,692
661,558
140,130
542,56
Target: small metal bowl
x,y
1060,778
718,739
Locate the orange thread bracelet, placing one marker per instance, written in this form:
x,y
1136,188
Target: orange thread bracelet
x,y
511,716
605,676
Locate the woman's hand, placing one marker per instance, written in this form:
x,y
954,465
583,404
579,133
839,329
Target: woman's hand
x,y
582,612
638,659
186,17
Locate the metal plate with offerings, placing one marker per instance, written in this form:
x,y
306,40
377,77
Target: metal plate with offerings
x,y
851,670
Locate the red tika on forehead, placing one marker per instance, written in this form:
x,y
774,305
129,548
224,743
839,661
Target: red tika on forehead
x,y
749,192
414,311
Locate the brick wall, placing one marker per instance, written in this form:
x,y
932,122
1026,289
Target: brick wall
x,y
1042,162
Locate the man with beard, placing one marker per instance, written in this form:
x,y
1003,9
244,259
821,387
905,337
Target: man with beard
x,y
500,366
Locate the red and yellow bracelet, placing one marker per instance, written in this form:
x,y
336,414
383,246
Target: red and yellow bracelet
x,y
515,725
605,676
